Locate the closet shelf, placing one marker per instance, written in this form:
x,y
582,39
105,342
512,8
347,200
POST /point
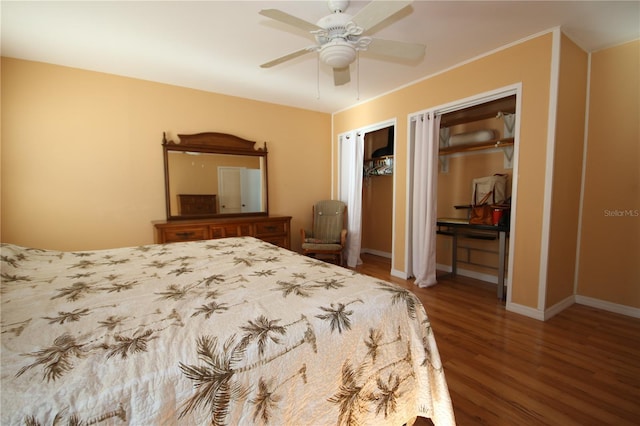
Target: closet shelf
x,y
494,143
378,166
381,158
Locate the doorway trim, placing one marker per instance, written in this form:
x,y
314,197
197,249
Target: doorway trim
x,y
368,129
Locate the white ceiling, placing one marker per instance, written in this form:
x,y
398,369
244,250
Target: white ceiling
x,y
218,46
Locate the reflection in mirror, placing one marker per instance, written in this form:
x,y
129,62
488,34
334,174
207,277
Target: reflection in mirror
x,y
214,174
202,183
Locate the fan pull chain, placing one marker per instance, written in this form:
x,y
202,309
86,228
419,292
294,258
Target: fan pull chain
x,y
358,75
318,76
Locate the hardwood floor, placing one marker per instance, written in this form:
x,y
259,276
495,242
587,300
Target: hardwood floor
x,y
581,367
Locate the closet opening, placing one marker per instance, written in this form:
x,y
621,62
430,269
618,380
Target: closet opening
x,y
366,183
450,149
377,192
476,157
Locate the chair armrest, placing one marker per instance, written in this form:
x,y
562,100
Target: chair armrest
x,y
343,237
305,233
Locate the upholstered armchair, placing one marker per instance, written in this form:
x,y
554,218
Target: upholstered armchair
x,y
328,234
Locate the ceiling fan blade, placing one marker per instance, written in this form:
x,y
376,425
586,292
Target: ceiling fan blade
x,y
377,11
341,76
396,49
281,16
285,58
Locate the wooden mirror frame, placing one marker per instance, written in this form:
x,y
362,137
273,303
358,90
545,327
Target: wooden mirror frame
x,y
214,143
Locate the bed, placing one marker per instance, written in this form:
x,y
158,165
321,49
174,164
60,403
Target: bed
x,y
222,332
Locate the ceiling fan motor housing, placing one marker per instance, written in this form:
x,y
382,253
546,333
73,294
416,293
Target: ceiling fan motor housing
x,y
337,39
338,53
336,25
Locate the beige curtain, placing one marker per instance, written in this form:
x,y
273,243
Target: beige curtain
x,y
351,163
425,185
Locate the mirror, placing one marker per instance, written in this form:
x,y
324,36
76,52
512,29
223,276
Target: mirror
x,y
211,175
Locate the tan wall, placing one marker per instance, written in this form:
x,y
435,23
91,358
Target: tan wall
x,y
377,214
377,201
567,172
610,244
82,160
528,63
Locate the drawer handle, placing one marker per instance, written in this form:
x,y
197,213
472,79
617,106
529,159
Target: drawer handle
x,y
184,234
271,228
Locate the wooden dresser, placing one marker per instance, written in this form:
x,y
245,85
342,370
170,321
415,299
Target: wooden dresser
x,y
196,204
272,229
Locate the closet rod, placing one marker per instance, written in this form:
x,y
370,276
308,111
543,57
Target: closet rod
x,y
494,143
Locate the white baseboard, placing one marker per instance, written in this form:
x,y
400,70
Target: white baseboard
x,y
559,307
376,252
581,300
594,303
394,272
535,313
525,310
608,306
399,274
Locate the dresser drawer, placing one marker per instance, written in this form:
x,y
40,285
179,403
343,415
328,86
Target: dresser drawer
x,y
190,205
191,233
273,229
231,230
282,240
270,228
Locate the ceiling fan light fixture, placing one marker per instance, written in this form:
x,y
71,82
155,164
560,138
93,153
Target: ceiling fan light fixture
x,y
340,36
338,53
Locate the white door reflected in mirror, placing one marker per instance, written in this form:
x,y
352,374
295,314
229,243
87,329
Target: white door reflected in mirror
x,y
239,190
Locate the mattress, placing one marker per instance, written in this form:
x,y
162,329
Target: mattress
x,y
223,332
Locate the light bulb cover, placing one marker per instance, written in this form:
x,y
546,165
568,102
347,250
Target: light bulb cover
x,y
338,53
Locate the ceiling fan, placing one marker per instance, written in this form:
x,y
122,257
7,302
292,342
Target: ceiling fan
x,y
339,36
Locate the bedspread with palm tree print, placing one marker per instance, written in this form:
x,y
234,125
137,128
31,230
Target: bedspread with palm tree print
x,y
219,332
